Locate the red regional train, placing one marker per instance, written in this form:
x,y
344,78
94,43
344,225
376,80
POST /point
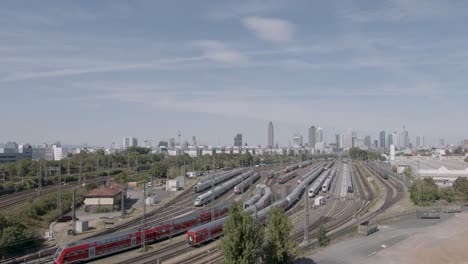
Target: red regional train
x,y
89,249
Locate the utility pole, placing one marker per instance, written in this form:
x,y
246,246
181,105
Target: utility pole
x,y
143,229
73,210
122,203
79,173
306,223
212,198
68,169
59,194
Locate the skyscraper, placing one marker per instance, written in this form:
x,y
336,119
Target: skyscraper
x,y
270,135
297,140
130,142
418,142
312,136
319,138
348,139
367,141
382,139
337,141
389,140
238,140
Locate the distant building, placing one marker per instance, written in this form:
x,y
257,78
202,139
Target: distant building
x,y
395,139
389,140
418,142
172,144
376,143
238,140
270,135
130,142
312,136
382,139
11,152
348,139
442,142
337,141
319,135
465,143
297,140
367,141
60,152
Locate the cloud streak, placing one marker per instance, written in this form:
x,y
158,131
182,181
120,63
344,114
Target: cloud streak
x,y
270,29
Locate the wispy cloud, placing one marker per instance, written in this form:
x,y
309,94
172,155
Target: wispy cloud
x,y
219,52
239,9
398,10
270,29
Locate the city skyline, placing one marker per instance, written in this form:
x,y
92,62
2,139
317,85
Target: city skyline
x,y
229,68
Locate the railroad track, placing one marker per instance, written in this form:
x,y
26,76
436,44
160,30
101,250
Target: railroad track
x,y
9,202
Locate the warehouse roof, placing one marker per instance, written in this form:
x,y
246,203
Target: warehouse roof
x,y
103,191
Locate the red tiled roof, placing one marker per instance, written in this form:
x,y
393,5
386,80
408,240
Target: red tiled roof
x,y
116,186
103,191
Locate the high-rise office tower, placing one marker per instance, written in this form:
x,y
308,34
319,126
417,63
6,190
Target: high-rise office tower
x,y
337,141
382,139
130,142
367,141
297,140
270,135
418,142
319,137
238,140
312,136
348,137
389,140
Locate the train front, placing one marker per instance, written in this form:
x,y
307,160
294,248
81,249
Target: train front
x,y
58,258
191,238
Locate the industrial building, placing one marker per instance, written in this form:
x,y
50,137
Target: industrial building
x,y
108,197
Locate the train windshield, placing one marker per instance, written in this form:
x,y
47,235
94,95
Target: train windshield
x,y
190,239
57,253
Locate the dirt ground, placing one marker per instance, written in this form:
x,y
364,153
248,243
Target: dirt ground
x,y
445,243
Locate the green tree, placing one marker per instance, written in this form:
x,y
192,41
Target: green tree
x,y
408,171
278,247
159,170
243,237
424,191
460,185
322,237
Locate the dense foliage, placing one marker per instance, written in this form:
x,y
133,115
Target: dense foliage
x,y
124,165
359,154
243,237
246,240
322,237
278,248
14,234
425,192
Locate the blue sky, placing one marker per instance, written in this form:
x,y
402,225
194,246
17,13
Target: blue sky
x,y
95,71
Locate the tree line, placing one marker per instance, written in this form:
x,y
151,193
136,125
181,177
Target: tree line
x,y
23,174
359,154
247,241
425,191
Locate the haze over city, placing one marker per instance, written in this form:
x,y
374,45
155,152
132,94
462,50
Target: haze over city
x,y
93,72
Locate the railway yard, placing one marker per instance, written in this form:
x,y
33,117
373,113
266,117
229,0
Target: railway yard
x,y
337,194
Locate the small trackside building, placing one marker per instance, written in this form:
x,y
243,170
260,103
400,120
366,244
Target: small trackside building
x,y
104,197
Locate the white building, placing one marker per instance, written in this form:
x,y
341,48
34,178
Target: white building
x,y
60,152
129,142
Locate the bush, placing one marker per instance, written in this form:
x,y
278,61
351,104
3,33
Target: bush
x,y
424,192
102,210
